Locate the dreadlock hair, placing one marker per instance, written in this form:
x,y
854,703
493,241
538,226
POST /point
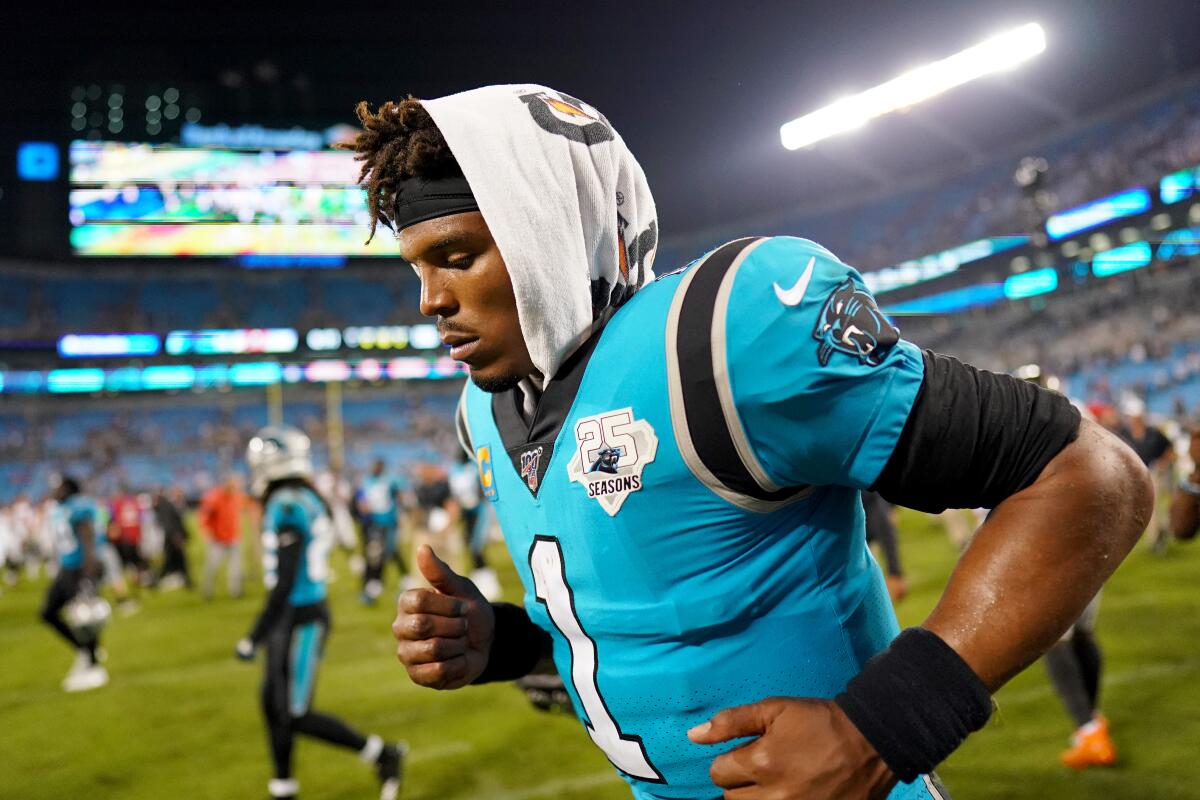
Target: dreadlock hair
x,y
398,141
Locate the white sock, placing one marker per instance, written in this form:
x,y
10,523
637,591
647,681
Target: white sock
x,y
372,749
279,787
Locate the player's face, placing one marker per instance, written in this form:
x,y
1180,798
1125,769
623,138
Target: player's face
x,y
465,284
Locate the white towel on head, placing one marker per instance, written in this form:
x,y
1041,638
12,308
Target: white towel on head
x,y
566,202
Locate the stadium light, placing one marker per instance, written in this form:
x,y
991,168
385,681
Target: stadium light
x,y
992,55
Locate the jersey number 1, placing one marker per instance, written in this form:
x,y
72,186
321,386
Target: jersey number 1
x,y
550,582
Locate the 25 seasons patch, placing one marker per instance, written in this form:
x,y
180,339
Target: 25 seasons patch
x,y
611,450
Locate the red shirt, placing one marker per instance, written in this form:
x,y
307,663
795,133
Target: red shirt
x,y
221,514
127,517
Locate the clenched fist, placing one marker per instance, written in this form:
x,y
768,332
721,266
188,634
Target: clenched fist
x,y
444,634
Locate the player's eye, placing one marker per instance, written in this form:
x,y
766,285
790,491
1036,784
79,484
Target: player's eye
x,y
460,262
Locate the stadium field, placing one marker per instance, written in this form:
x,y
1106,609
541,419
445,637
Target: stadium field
x,y
180,718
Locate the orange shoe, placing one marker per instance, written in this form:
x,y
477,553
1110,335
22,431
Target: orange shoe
x,y
1091,746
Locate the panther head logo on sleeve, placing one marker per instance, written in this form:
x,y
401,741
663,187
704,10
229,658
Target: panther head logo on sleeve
x,y
851,323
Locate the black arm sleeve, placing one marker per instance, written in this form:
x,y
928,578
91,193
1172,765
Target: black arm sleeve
x,y
518,646
277,601
974,438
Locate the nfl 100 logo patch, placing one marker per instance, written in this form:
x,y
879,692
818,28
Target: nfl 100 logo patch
x,y
611,450
530,460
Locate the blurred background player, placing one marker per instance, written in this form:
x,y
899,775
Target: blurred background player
x,y
26,524
1154,448
338,495
220,518
169,505
125,533
1185,503
10,548
1075,663
1074,666
297,535
79,534
379,508
435,517
476,521
881,532
47,535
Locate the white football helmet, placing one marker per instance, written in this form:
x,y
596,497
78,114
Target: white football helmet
x,y
87,613
276,453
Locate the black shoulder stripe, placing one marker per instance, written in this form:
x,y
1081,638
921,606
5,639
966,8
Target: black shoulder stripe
x,y
708,428
460,425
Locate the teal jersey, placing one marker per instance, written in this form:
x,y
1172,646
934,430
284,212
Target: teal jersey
x,y
683,509
379,498
72,513
297,511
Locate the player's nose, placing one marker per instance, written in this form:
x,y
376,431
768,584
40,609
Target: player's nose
x,y
436,298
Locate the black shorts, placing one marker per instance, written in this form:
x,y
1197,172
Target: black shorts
x,y
62,590
130,555
294,649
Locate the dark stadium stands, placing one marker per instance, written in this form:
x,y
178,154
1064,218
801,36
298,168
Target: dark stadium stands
x,y
78,299
191,442
1133,333
1137,144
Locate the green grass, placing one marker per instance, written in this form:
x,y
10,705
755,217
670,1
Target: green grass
x,y
180,718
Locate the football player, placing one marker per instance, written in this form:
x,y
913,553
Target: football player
x,y
297,534
1075,663
1185,503
475,519
711,603
125,533
1154,448
379,509
881,531
79,532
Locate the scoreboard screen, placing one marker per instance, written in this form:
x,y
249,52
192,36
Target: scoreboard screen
x,y
165,200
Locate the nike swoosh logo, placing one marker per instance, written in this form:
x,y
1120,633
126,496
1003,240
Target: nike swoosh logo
x,y
794,295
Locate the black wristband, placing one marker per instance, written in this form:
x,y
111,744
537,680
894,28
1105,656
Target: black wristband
x,y
915,703
517,647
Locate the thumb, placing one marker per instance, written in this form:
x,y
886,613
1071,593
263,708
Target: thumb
x,y
733,723
440,575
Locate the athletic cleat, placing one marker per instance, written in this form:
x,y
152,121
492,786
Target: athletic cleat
x,y
93,677
283,788
83,661
1091,746
390,769
171,582
371,591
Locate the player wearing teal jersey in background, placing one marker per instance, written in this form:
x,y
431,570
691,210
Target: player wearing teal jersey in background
x,y
297,535
379,510
676,467
79,525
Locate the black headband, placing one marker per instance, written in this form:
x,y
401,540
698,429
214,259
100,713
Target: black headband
x,y
419,200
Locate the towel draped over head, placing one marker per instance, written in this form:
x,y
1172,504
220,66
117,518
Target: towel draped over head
x,y
566,202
